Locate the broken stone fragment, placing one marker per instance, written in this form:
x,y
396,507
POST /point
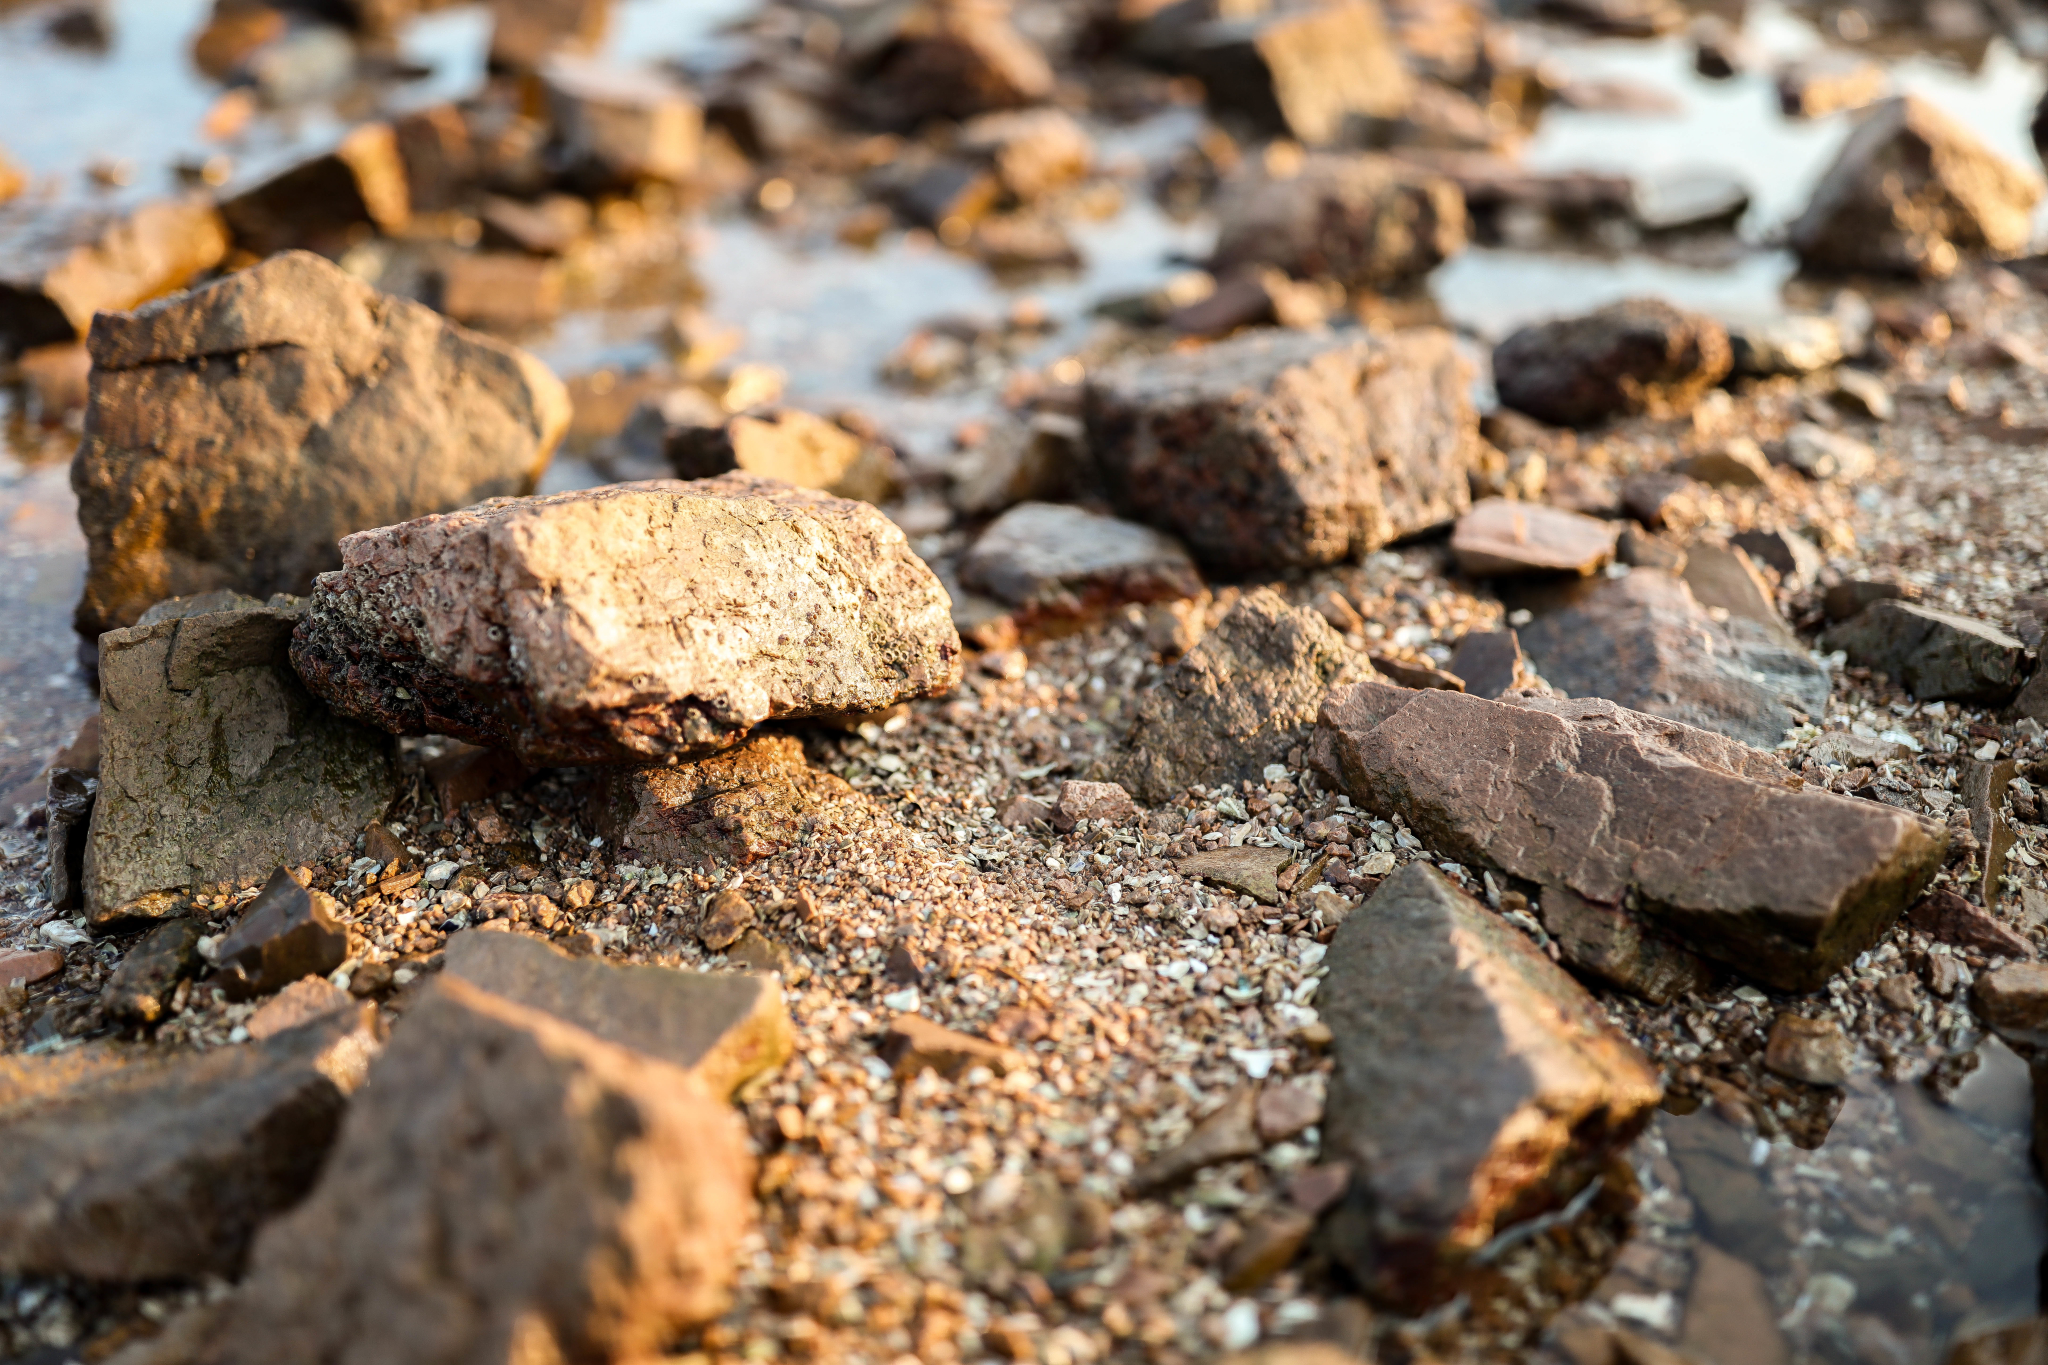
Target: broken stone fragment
x,y
1268,1247
697,441
2013,1000
1827,456
632,623
1735,463
1500,537
216,765
58,274
1035,151
1724,576
289,931
1364,220
1815,1051
1910,192
1056,560
1490,662
1796,560
323,203
748,803
70,796
1946,917
237,432
1845,600
1249,870
151,970
19,970
1240,699
945,59
483,1121
1702,835
1079,802
1935,654
725,1028
1476,1084
306,1000
1640,355
1277,449
1286,1110
1229,1133
1611,944
124,1164
728,915
1799,344
616,125
915,1043
1408,673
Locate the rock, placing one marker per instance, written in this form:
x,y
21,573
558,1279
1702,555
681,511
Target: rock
x,y
60,272
1404,673
725,919
465,773
2017,1344
482,1121
1735,1208
1856,751
748,803
13,180
124,1165
1035,151
1686,200
525,32
1285,1110
216,765
1020,463
1608,943
688,433
725,1028
1910,191
1735,463
141,986
1083,801
1827,456
616,125
1335,608
324,203
1228,1133
1797,344
507,290
1023,811
1664,499
1984,789
1622,18
1829,83
236,432
1731,1314
1280,449
1862,394
1640,550
546,625
1490,662
1725,577
1646,643
1240,699
2013,1000
914,1044
1796,560
1268,1247
550,226
1935,654
1055,560
949,59
440,158
1362,219
1499,537
1946,917
1846,600
1249,870
20,970
1476,1084
1815,1051
288,932
69,799
1640,355
1702,835
304,1001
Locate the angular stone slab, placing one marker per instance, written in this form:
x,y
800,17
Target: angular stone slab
x,y
483,1123
1701,834
1499,537
1250,870
1476,1084
633,623
1280,449
745,804
726,1028
1935,654
288,932
236,432
123,1164
216,766
1057,560
1609,943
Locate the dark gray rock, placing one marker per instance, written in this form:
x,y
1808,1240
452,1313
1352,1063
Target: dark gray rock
x,y
1934,654
1053,560
1641,355
1490,662
152,969
289,931
1364,220
1613,945
70,797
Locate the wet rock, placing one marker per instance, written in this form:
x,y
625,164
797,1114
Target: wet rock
x,y
1737,1211
323,203
236,432
1828,456
1499,537
1082,801
1910,192
69,799
2017,1344
1240,699
59,273
1035,151
915,1043
1830,82
688,434
1228,1133
751,802
616,125
1846,600
1490,662
1935,654
289,931
1796,560
948,59
1815,1051
1641,355
1476,1084
1798,344
1646,643
546,625
2014,1000
308,999
128,1165
216,765
141,986
1362,219
19,970
1612,945
1947,918
1735,463
1279,449
725,1028
482,1121
1731,1313
1699,833
1249,870
1055,560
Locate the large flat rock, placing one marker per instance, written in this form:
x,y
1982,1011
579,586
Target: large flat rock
x,y
1277,449
1704,835
633,623
1476,1085
236,432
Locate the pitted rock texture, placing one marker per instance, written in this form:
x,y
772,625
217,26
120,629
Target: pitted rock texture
x,y
1640,355
235,433
1235,702
1476,1085
632,623
744,804
1365,220
1701,834
484,1124
1280,449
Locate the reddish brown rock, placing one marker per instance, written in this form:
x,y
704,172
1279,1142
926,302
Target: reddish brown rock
x,y
1700,833
1278,449
945,59
740,806
129,1165
1490,662
1499,537
1055,560
794,446
305,1001
505,290
524,33
1935,654
1285,1110
1611,944
19,969
1946,917
728,916
289,931
237,432
614,126
1408,673
58,273
1812,1050
322,204
1476,1084
1641,355
1081,801
1228,1133
483,1121
1364,220
1248,870
2014,1001
636,622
